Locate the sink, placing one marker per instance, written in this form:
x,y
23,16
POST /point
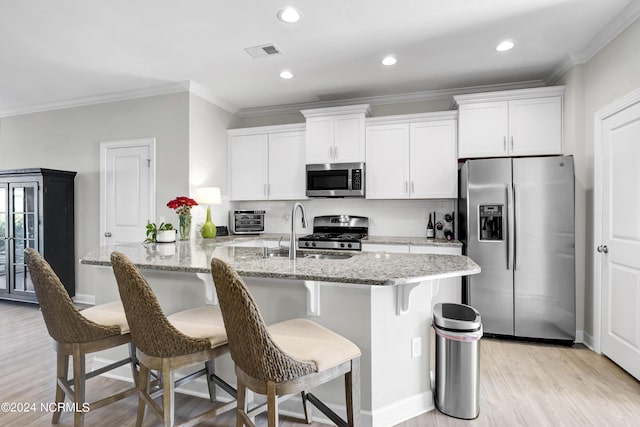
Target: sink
x,y
282,254
328,256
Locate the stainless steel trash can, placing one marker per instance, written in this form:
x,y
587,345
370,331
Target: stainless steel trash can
x,y
457,369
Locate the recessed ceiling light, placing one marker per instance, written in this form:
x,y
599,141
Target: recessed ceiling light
x,y
389,60
286,74
505,45
289,15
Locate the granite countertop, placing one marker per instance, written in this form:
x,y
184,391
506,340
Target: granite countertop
x,y
367,268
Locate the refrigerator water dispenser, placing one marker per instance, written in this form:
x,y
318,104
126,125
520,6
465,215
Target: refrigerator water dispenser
x,y
490,221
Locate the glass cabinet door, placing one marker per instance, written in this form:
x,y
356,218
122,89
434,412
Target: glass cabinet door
x,y
23,233
4,234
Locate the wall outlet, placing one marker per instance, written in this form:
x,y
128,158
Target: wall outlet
x,y
416,347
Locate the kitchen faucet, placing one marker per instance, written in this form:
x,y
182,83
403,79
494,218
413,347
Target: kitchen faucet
x,y
292,236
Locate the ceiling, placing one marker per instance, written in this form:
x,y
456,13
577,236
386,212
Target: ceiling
x,y
60,52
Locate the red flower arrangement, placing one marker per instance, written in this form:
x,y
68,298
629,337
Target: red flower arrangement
x,y
182,205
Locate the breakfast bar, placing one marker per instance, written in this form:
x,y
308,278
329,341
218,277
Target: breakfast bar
x,y
381,301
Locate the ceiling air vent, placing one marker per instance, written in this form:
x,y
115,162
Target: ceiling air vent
x,y
263,50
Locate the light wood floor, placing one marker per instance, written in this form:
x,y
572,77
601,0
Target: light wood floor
x,y
522,384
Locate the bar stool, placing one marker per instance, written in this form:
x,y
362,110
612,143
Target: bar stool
x,y
283,359
167,343
77,333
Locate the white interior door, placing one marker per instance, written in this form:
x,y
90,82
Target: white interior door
x,y
619,247
127,190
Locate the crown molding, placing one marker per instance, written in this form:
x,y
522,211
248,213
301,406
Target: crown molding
x,y
207,95
625,18
610,32
384,99
165,89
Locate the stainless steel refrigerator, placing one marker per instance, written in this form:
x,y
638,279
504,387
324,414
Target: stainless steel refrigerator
x,y
517,222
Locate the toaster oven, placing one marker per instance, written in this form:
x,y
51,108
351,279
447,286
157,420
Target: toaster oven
x,y
246,222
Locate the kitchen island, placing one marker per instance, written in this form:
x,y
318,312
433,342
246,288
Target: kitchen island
x,y
381,301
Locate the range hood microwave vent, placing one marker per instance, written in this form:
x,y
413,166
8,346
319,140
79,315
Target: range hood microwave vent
x,y
263,50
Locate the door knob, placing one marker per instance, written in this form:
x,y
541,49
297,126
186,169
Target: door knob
x,y
603,249
107,234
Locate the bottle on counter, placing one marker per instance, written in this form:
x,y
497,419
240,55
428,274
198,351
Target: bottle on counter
x,y
448,234
430,229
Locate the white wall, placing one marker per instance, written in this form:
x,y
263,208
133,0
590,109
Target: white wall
x,y
209,156
70,139
609,75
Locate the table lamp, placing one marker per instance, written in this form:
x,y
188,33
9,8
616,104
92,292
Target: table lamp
x,y
208,196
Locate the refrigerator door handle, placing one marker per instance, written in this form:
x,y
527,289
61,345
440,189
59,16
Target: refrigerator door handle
x,y
506,216
516,198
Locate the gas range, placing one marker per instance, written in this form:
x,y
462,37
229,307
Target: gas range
x,y
342,232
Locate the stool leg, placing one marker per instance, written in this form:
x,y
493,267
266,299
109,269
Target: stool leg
x,y
352,389
272,404
168,388
143,390
306,405
134,363
78,385
62,375
241,404
211,369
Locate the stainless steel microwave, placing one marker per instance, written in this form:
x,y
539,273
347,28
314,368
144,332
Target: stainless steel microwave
x,y
335,180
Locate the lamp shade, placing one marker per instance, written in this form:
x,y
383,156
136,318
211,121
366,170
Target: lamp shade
x,y
208,196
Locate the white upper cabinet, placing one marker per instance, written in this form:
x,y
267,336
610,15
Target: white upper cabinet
x,y
267,163
525,122
412,157
336,135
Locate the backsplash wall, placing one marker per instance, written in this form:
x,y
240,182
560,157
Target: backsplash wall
x,y
406,218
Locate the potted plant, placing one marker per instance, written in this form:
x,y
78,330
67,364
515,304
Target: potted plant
x,y
162,233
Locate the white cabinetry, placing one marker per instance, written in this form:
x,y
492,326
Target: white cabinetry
x,y
525,122
336,135
267,163
412,157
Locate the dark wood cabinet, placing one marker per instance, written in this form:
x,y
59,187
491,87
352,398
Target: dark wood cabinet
x,y
36,211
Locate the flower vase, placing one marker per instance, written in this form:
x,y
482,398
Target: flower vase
x,y
185,226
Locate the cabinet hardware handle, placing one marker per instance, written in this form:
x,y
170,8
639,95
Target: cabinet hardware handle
x,y
603,249
107,234
406,187
512,143
413,189
335,152
504,143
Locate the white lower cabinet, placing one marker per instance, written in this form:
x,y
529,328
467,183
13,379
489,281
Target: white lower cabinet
x,y
411,160
265,164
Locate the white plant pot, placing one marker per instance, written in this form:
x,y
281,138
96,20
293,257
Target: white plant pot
x,y
166,236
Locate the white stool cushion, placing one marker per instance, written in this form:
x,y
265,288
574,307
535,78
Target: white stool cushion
x,y
201,322
110,314
305,340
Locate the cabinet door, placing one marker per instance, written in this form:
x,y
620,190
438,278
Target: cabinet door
x,y
434,164
349,138
23,233
387,162
535,126
286,166
483,129
4,233
319,140
248,163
